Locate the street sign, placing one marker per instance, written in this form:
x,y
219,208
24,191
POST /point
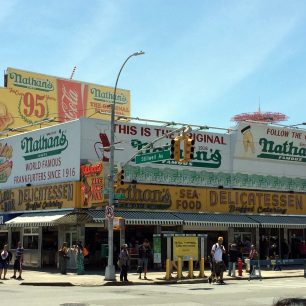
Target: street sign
x,y
109,212
152,157
119,196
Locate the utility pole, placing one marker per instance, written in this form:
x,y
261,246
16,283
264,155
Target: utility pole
x,y
110,269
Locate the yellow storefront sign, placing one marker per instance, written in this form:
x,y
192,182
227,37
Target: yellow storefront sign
x,y
43,197
197,199
257,202
185,247
32,98
138,196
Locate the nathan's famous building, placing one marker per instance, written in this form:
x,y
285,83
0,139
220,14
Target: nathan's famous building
x,y
248,184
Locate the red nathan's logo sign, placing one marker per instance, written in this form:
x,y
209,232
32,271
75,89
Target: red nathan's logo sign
x,y
72,99
91,169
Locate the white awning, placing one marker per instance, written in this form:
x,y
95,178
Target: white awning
x,y
44,218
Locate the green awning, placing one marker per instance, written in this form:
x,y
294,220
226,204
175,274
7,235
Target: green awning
x,y
139,217
280,221
215,219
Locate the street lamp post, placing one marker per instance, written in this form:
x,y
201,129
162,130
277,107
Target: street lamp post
x,y
110,269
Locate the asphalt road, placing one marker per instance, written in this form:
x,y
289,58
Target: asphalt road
x,y
235,293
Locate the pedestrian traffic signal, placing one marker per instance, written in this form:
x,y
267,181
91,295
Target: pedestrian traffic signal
x,y
120,177
188,149
176,148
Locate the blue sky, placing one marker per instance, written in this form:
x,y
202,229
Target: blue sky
x,y
205,60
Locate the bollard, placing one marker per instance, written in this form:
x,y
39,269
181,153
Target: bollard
x,y
234,270
179,268
168,272
190,267
202,274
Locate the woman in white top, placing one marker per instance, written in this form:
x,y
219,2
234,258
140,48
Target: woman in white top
x,y
6,256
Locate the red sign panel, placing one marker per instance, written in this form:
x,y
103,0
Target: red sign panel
x,y
72,99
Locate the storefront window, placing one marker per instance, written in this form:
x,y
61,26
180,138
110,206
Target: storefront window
x,y
30,238
3,239
243,241
15,238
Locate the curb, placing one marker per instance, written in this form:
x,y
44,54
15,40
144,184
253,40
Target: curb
x,y
158,281
56,284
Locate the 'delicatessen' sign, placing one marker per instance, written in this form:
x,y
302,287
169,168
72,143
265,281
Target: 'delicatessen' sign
x,y
241,201
44,197
193,199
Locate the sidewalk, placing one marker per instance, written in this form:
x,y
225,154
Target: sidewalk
x,y
54,278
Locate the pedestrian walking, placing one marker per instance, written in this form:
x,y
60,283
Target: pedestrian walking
x,y
274,256
6,257
233,255
145,253
80,258
63,258
18,261
123,262
218,266
253,255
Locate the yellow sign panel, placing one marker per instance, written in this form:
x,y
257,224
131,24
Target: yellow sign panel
x,y
191,199
43,197
6,110
30,98
100,99
257,202
138,196
185,247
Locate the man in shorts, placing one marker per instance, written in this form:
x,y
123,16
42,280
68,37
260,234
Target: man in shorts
x,y
218,266
18,261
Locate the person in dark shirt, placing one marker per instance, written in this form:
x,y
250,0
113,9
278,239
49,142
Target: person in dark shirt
x,y
145,254
233,255
274,255
18,261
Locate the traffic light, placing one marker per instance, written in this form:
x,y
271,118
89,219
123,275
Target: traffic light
x,y
188,149
120,177
176,148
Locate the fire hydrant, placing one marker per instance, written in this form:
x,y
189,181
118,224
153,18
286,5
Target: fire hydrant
x,y
239,265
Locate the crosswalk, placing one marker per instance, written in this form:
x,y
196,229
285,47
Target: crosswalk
x,y
276,283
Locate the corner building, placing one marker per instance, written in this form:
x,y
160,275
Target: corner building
x,y
247,185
